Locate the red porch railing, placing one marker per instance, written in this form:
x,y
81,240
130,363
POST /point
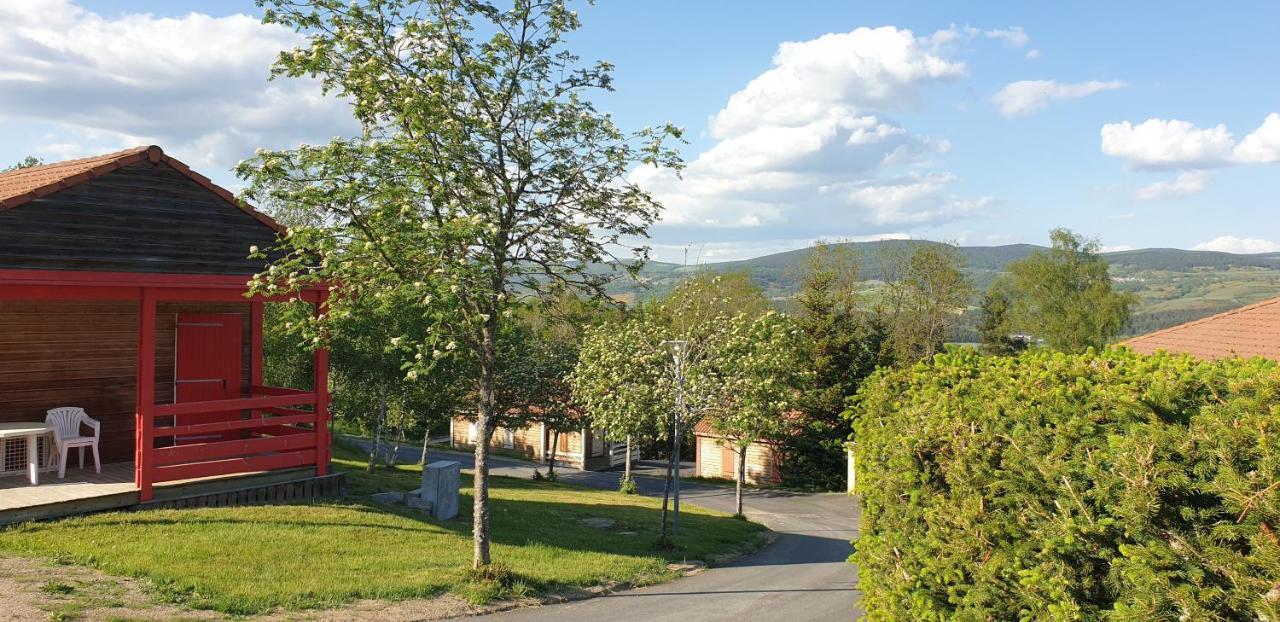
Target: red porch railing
x,y
274,437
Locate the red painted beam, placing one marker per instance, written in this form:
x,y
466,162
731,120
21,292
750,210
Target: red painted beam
x,y
261,390
236,465
242,403
85,285
236,424
66,292
185,454
146,395
288,412
282,430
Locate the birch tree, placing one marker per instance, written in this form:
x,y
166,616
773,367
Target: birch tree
x,y
483,174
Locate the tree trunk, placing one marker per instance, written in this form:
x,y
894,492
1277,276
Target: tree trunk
x,y
626,471
393,456
486,424
426,436
675,492
555,444
375,449
672,474
666,495
741,475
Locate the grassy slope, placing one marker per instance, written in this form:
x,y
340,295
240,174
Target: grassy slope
x,y
252,559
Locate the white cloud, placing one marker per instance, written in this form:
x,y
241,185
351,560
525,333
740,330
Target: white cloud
x,y
1167,144
1263,145
196,85
1233,244
1033,54
1185,184
1172,144
810,145
1160,144
1014,36
1116,249
1027,96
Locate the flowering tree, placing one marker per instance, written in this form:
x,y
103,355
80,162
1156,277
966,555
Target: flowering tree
x,y
621,380
759,376
626,379
483,175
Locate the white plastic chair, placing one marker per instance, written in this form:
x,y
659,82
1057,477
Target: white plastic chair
x,y
66,423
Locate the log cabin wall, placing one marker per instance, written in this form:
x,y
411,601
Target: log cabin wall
x,y
73,353
145,217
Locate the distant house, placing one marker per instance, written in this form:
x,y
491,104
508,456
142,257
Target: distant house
x,y
715,456
579,449
1249,331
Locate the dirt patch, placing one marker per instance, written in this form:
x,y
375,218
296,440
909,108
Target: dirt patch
x,y
35,590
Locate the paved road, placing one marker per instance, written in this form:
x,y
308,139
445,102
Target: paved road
x,y
802,576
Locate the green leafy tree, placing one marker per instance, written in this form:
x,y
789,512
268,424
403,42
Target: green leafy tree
x,y
26,162
626,379
925,293
994,327
1064,295
711,296
622,379
842,343
483,175
758,373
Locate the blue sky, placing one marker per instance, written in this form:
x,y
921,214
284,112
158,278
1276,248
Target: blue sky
x,y
981,123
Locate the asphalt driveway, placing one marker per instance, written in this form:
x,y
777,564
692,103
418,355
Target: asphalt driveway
x,y
802,576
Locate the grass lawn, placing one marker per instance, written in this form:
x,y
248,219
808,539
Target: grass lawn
x,y
253,559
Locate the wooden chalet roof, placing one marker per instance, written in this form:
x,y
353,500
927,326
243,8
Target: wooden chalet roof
x,y
22,185
1252,330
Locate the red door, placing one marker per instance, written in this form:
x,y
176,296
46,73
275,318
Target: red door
x,y
208,366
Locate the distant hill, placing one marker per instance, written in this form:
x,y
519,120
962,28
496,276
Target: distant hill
x,y
1174,285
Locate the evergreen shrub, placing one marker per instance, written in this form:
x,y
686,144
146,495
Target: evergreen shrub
x,y
1046,486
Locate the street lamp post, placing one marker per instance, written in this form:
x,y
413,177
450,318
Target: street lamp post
x,y
679,352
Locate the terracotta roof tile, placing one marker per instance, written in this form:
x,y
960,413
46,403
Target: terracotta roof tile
x,y
1249,331
22,185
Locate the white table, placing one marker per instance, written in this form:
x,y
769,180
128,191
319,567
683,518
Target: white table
x,y
32,430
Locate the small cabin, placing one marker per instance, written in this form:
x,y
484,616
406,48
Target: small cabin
x,y
124,292
716,457
584,448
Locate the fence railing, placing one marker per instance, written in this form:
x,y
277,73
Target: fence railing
x,y
277,434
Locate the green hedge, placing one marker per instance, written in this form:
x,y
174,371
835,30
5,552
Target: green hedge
x,y
1108,486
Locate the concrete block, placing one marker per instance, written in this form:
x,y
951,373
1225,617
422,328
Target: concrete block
x,y
440,483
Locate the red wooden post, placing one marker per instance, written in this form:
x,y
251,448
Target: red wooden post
x,y
146,399
321,364
255,349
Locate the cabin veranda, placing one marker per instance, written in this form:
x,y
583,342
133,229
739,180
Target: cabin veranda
x,y
123,292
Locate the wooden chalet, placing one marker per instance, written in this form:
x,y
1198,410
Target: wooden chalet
x,y
716,457
123,291
584,448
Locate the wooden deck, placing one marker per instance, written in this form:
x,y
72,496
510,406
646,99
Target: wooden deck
x,y
84,491
17,492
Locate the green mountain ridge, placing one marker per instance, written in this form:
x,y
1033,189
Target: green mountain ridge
x,y
1173,285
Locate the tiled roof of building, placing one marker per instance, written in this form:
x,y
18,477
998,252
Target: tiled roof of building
x,y
703,426
26,184
1249,331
